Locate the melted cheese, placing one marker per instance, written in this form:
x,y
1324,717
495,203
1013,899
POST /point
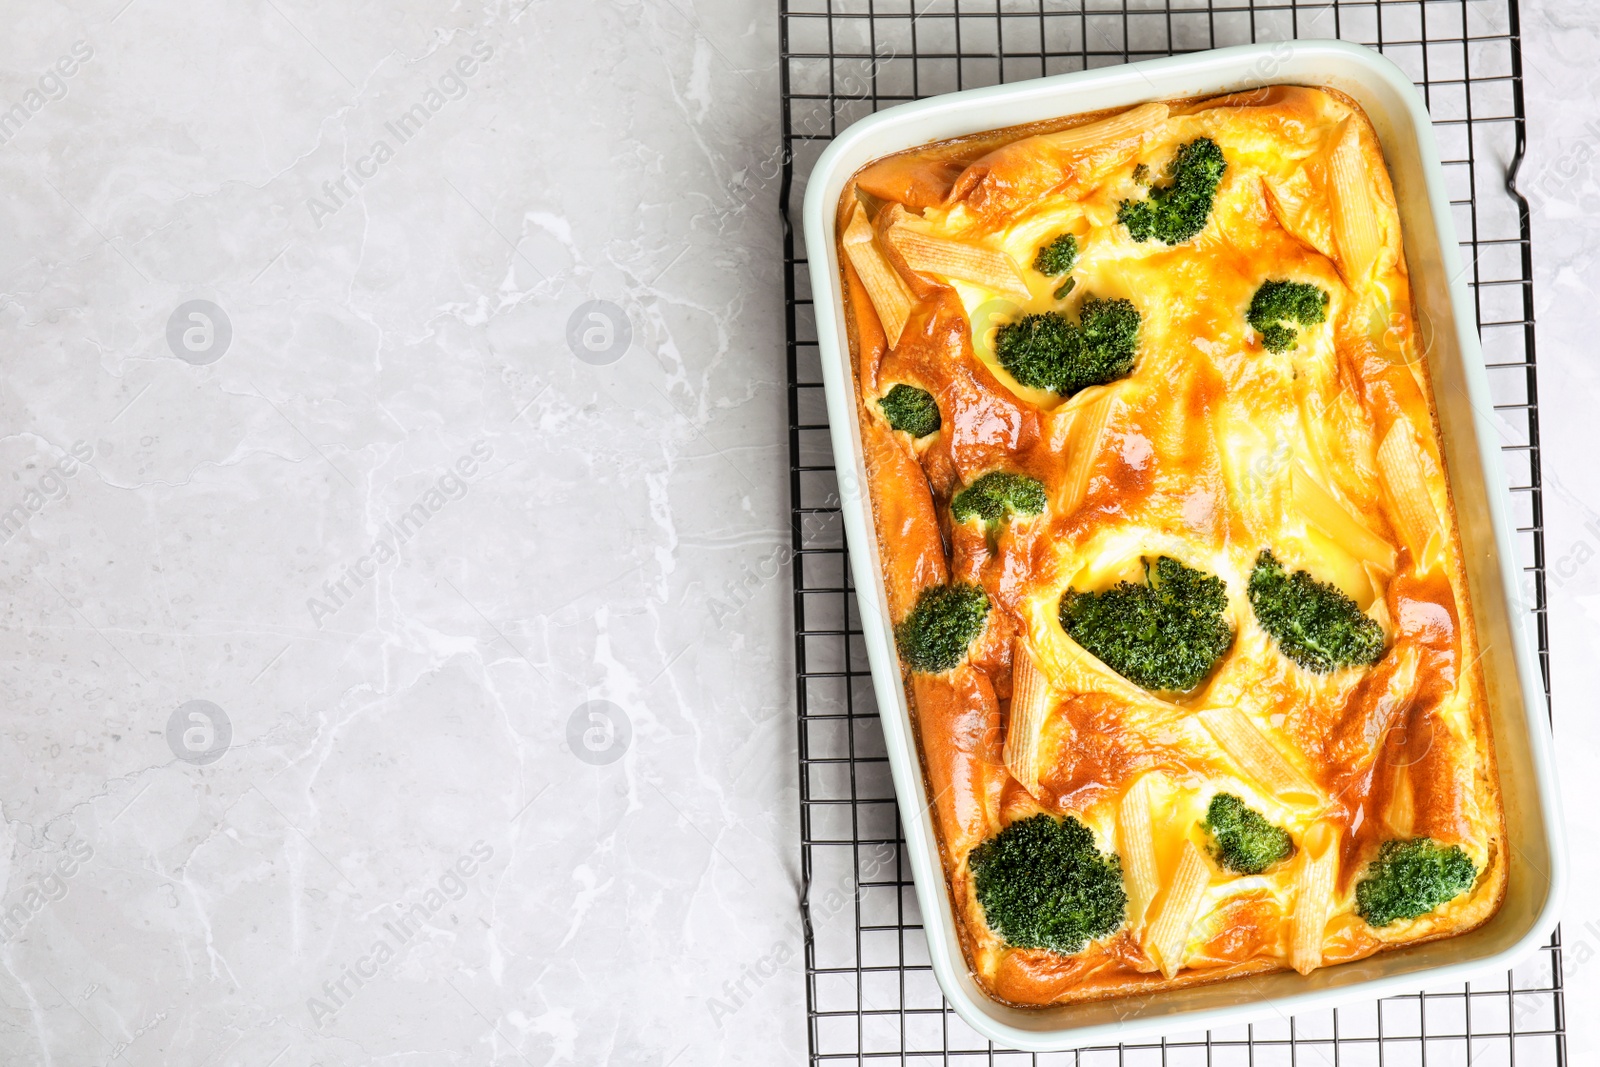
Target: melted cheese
x,y
1198,460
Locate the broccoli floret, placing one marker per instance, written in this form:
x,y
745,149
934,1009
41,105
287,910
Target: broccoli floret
x,y
1175,212
1050,351
1044,884
997,496
911,409
936,634
1277,303
1165,634
1058,257
1242,840
1315,624
1411,878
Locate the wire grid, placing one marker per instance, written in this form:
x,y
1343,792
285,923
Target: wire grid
x,y
870,992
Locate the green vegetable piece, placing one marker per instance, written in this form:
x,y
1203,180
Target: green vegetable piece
x,y
1278,304
1141,174
1058,257
1410,879
1044,884
1315,624
1243,841
1050,351
912,410
944,623
1174,213
1166,634
997,496
1064,288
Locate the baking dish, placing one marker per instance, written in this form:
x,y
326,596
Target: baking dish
x,y
1482,505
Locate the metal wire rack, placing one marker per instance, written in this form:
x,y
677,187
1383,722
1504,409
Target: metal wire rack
x,y
870,992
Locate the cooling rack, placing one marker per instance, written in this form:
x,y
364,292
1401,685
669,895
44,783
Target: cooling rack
x,y
870,992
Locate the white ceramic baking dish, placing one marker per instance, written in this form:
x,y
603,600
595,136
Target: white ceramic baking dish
x,y
1471,443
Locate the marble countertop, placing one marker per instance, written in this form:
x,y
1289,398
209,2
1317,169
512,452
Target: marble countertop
x,y
398,659
1561,46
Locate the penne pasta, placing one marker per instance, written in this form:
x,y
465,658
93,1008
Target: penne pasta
x,y
1295,203
1314,877
1136,833
1355,223
1400,813
1403,468
1324,511
1388,716
946,258
1379,609
1021,171
1169,934
888,293
1135,122
1088,439
1030,707
1258,758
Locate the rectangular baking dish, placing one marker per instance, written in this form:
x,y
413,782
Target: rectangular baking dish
x,y
1471,442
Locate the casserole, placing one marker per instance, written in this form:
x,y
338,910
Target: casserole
x,y
1531,869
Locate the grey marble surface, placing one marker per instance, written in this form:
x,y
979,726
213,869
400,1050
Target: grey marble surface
x,y
397,660
397,532
1562,178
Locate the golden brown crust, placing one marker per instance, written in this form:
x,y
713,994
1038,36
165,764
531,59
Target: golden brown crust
x,y
1208,451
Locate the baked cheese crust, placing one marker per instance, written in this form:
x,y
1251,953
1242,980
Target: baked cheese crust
x,y
1212,449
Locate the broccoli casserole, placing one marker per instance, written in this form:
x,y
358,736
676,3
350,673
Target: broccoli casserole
x,y
1169,545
